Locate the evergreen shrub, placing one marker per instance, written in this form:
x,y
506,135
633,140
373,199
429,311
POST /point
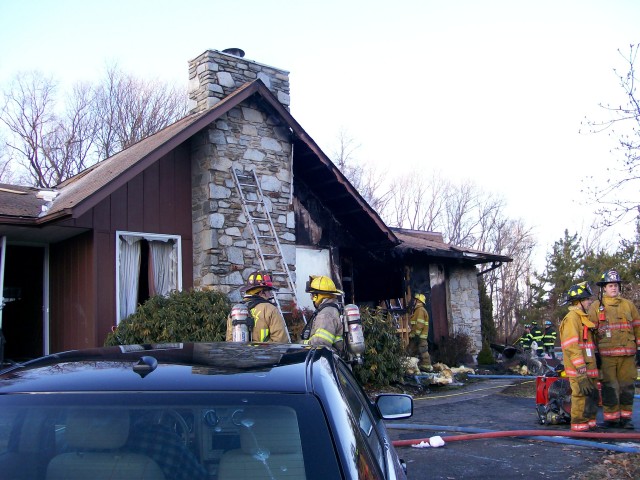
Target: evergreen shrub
x,y
384,354
187,316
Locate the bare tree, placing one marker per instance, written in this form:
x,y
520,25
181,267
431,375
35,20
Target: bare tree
x,y
463,213
132,109
28,113
614,190
509,286
417,202
364,177
53,143
6,173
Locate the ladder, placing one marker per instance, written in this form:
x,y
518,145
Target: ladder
x,y
265,236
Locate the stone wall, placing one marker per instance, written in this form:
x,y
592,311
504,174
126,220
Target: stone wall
x,y
246,138
465,305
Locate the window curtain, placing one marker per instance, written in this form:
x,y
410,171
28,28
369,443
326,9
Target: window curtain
x,y
129,274
163,274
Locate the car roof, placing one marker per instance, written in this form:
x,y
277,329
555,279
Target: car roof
x,y
221,366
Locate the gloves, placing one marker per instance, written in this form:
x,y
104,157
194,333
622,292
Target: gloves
x,y
585,386
637,358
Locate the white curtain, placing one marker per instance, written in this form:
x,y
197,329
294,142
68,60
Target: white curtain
x,y
163,271
129,274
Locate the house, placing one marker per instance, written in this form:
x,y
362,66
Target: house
x,y
167,213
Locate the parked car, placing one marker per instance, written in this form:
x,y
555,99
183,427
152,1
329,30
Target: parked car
x,y
194,411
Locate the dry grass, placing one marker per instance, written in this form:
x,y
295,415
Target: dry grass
x,y
613,466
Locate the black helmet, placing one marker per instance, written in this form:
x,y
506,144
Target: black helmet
x,y
578,292
610,276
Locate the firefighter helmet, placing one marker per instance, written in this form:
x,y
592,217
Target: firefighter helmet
x,y
258,281
610,276
547,323
580,291
322,284
421,297
527,325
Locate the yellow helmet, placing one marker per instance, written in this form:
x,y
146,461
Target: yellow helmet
x,y
421,297
322,284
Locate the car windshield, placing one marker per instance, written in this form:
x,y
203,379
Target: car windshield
x,y
165,435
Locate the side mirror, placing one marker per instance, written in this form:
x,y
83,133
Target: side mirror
x,y
394,406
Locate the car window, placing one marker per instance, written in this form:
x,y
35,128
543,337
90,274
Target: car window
x,y
178,436
359,405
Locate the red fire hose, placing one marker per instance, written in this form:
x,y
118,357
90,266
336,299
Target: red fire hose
x,y
522,433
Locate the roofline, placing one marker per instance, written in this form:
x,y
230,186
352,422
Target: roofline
x,y
205,118
198,124
313,146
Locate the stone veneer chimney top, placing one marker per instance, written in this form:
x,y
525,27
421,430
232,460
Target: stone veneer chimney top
x,y
213,75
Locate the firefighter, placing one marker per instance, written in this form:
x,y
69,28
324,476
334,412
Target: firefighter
x,y
525,340
618,339
549,339
325,325
419,334
268,323
536,336
577,337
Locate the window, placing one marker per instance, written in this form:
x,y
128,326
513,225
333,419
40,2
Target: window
x,y
358,403
146,265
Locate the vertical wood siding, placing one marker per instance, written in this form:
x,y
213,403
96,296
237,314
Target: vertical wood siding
x,y
83,268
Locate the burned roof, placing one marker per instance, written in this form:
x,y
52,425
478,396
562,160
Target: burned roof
x,y
432,244
20,202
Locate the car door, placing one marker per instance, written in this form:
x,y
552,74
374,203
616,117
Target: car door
x,y
371,425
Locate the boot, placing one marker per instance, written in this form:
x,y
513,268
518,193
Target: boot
x,y
610,424
626,424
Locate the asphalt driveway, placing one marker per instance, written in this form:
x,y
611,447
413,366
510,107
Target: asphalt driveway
x,y
490,404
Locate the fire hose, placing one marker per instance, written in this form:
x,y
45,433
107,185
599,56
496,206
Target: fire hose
x,y
534,434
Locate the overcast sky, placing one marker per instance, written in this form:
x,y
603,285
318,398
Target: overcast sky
x,y
487,90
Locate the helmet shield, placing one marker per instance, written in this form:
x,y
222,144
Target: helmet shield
x,y
581,291
257,281
610,276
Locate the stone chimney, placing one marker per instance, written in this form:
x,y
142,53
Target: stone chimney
x,y
213,75
246,138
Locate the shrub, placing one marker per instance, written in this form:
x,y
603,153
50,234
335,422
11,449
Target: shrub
x,y
296,322
454,351
197,316
485,357
384,354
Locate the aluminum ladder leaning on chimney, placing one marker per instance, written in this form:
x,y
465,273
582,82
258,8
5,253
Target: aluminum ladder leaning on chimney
x,y
264,234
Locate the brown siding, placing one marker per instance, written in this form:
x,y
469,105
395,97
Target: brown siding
x,y
72,296
83,275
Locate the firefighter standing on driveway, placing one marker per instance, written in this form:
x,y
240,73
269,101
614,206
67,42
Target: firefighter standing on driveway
x,y
268,323
577,336
618,324
536,335
525,340
325,325
419,334
549,339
